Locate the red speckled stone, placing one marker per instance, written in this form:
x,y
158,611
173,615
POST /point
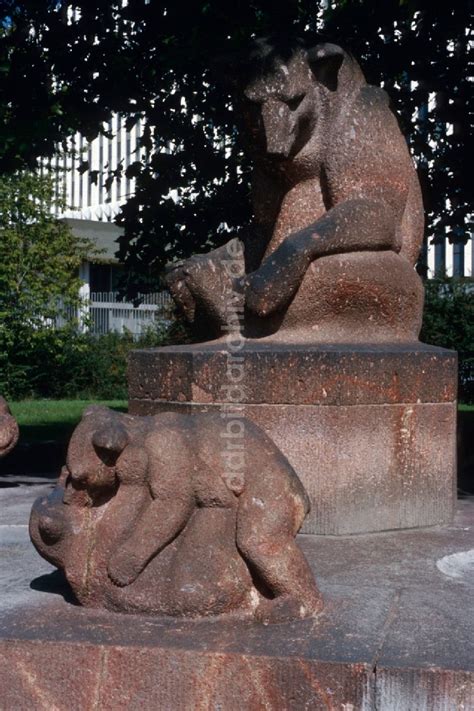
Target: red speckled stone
x,y
369,429
8,429
396,633
338,212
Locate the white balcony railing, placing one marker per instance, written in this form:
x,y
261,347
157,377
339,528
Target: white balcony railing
x,y
102,312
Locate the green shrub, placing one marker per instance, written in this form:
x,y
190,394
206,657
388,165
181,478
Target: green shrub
x,y
62,363
448,321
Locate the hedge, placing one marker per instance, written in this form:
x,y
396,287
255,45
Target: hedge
x,y
62,363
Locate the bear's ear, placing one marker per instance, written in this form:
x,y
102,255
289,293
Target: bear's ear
x,y
325,61
110,440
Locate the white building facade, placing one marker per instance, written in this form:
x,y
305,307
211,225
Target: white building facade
x,y
92,207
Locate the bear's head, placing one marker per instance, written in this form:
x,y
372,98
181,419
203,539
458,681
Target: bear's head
x,y
94,448
289,92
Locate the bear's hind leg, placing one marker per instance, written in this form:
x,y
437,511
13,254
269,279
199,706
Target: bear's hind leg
x,y
266,539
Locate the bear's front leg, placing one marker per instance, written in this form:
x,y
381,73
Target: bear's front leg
x,y
272,286
356,225
161,521
125,566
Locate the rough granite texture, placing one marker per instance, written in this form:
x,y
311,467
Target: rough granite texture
x,y
8,429
369,429
337,205
150,515
396,634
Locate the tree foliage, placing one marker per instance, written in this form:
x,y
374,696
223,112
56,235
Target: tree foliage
x,y
62,362
165,64
449,317
448,322
40,257
39,265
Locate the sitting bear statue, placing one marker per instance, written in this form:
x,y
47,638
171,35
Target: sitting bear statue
x,y
146,519
338,212
8,429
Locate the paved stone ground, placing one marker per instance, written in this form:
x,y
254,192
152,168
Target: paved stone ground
x,y
397,633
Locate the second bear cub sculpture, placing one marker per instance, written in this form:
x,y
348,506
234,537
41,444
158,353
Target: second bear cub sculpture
x,y
143,519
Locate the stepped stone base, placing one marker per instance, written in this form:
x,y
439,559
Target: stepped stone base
x,y
370,430
396,634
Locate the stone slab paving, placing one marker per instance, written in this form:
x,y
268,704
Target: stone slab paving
x,y
397,633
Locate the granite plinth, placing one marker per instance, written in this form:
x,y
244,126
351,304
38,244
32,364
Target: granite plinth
x,y
370,430
397,633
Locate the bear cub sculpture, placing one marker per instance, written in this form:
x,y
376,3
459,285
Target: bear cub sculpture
x,y
8,429
145,519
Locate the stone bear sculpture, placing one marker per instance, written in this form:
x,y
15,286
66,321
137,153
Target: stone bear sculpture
x,y
144,519
8,429
337,206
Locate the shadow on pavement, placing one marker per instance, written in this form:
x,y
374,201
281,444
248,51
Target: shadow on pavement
x,y
56,584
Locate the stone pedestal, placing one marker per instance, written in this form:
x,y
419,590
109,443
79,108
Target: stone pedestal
x,y
370,429
396,633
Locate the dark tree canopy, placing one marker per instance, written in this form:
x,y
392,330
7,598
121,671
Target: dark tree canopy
x,y
168,64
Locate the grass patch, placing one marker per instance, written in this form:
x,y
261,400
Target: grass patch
x,y
465,408
53,420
